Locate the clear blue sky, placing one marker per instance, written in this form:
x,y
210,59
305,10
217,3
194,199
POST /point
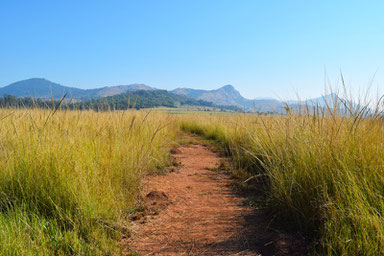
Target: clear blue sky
x,y
263,48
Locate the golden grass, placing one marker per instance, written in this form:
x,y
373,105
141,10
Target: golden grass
x,y
69,179
324,172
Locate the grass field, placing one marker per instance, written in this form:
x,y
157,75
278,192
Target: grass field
x,y
323,172
69,179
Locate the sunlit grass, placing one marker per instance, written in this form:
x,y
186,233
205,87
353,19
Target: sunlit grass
x,y
68,179
323,170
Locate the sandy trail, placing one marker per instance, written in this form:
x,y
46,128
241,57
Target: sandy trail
x,y
204,215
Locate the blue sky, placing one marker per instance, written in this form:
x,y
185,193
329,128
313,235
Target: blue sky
x,y
263,48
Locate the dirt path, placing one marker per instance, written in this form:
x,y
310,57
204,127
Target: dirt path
x,y
201,215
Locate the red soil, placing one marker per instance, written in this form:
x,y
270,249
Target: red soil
x,y
199,214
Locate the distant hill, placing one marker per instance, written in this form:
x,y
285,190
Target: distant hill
x,y
326,104
109,97
38,88
115,90
320,101
135,99
146,99
42,88
228,95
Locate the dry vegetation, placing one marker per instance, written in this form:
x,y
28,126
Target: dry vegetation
x,y
322,170
69,179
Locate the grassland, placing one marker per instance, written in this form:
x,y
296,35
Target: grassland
x,y
69,179
322,171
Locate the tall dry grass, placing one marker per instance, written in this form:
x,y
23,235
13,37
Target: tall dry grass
x,y
323,170
68,179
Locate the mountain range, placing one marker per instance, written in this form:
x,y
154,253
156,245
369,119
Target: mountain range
x,y
224,96
43,88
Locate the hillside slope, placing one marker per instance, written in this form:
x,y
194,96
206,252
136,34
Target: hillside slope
x,y
228,95
146,99
43,88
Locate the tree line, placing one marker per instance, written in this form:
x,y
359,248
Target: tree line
x,y
137,100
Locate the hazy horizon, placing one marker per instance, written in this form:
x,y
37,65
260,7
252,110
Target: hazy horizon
x,y
325,93
264,49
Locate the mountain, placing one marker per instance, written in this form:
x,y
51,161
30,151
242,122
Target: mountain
x,y
146,99
135,99
20,94
228,95
327,104
38,88
42,88
115,90
319,101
